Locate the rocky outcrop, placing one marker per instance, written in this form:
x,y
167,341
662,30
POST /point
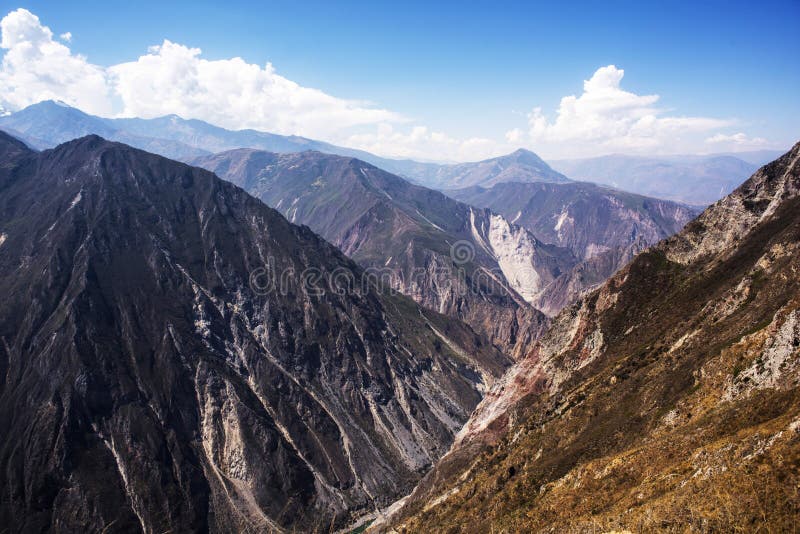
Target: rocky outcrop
x,y
586,276
666,399
720,228
586,218
604,228
176,356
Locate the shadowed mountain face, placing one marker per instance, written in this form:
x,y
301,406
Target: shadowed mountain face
x,y
465,262
151,382
698,180
669,399
605,228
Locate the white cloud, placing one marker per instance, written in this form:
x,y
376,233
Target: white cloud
x,y
420,142
606,118
739,140
174,78
36,68
170,78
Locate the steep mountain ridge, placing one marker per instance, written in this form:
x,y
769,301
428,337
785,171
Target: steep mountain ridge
x,y
176,356
666,400
465,262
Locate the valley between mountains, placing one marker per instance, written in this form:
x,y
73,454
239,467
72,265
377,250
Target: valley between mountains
x,y
400,267
280,335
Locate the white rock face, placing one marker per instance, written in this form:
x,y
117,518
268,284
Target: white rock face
x,y
779,358
562,219
476,234
514,249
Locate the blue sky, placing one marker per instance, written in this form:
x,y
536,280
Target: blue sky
x,y
474,72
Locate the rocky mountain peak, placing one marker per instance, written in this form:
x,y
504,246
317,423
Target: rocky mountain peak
x,y
525,156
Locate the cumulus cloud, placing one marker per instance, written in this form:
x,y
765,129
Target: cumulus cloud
x,y
170,78
606,118
174,78
232,93
35,67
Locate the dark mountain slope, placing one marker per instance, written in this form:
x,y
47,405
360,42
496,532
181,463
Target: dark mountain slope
x,y
12,150
667,400
152,379
410,233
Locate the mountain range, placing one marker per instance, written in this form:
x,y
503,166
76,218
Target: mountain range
x,y
519,166
177,356
48,123
667,400
515,268
697,180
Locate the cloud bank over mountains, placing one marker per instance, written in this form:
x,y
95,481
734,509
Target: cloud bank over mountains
x,y
615,120
174,78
